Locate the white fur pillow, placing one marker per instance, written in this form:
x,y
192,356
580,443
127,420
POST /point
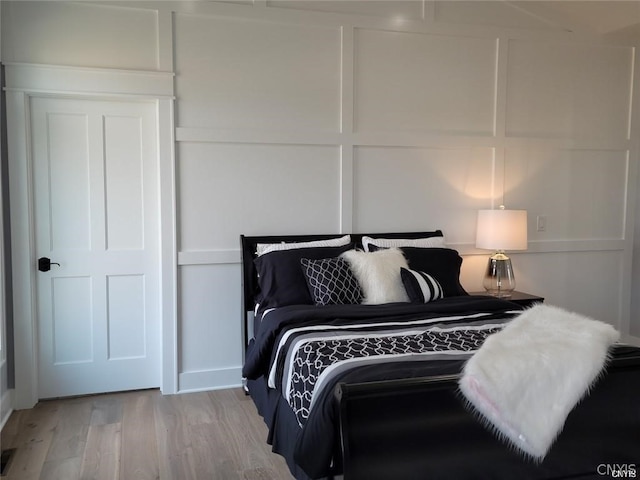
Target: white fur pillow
x,y
379,274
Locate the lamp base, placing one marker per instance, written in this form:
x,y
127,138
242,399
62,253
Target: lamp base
x,y
499,279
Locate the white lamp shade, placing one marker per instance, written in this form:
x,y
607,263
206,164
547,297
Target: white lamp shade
x,y
502,229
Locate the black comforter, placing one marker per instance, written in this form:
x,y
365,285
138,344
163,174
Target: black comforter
x,y
369,342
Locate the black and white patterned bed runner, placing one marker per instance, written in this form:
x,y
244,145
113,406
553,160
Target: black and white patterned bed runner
x,y
318,359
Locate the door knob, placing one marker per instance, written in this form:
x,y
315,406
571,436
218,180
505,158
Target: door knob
x,y
44,264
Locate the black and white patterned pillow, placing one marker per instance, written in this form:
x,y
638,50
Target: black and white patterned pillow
x,y
331,281
420,286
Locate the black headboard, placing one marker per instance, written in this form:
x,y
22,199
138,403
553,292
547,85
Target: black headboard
x,y
248,255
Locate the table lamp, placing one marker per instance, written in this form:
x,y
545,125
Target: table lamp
x,y
501,230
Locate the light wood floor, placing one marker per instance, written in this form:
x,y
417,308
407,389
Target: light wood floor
x,y
142,435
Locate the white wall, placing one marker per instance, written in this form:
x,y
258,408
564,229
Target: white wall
x,y
351,116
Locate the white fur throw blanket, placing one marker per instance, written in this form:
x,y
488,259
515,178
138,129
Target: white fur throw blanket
x,y
525,379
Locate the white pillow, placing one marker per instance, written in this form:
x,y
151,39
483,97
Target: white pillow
x,y
262,248
430,242
379,274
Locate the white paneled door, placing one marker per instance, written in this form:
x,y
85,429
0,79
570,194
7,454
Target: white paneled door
x,y
95,189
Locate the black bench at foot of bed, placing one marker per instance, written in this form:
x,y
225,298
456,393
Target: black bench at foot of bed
x,y
420,428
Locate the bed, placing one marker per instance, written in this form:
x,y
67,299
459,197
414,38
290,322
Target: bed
x,y
371,390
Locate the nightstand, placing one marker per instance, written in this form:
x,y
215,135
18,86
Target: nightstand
x,y
521,298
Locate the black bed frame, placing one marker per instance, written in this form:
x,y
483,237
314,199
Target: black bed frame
x,y
421,428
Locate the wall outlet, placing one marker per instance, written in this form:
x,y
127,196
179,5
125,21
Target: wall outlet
x,y
541,223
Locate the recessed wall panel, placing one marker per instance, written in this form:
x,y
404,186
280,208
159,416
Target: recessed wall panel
x,y
256,75
210,320
126,316
581,193
397,10
568,91
62,33
501,14
411,189
226,190
582,282
424,83
68,156
72,320
123,182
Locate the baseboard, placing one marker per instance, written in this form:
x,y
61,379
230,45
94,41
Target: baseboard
x,y
6,407
209,380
